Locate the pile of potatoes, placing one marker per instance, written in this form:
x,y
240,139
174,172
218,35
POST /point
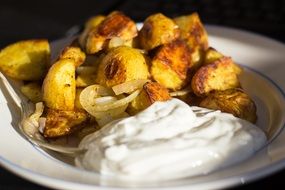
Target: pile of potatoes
x,y
172,56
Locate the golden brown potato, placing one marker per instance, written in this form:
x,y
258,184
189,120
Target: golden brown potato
x,y
59,85
60,123
91,23
115,24
32,91
74,53
157,30
120,65
232,101
150,93
211,55
25,60
77,103
221,74
170,65
194,33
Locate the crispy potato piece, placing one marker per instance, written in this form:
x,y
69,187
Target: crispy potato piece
x,y
91,23
25,60
157,30
170,65
115,24
151,92
59,85
221,74
32,91
120,65
84,80
211,55
60,123
74,53
232,101
194,33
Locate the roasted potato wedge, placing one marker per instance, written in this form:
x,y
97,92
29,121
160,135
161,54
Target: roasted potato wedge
x,y
115,24
232,101
60,123
170,65
221,74
194,33
157,30
150,93
25,60
120,65
211,55
74,53
59,85
91,23
33,91
84,80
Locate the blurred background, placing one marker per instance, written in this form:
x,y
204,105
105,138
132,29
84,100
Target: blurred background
x,y
55,19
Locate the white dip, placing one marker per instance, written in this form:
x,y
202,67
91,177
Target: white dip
x,y
170,140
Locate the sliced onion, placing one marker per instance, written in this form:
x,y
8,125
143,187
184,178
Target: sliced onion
x,y
94,91
129,86
180,92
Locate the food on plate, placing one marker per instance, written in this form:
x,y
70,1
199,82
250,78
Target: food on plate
x,y
233,101
26,60
116,24
122,64
131,95
170,65
157,30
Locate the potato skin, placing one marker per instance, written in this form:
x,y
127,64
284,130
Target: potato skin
x,y
221,74
60,123
170,65
59,85
74,53
115,24
194,33
120,65
232,101
151,92
25,60
157,30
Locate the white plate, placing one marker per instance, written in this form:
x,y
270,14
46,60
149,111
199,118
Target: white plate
x,y
264,80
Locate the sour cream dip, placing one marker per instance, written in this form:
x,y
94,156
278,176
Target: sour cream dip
x,y
170,140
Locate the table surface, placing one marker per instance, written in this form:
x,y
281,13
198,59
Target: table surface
x,y
52,19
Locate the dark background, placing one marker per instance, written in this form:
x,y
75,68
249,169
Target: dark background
x,y
53,19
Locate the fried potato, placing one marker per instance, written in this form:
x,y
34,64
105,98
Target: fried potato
x,y
77,99
74,53
150,93
60,123
194,33
157,30
211,55
84,80
120,65
115,24
232,101
91,23
25,60
221,74
32,91
170,65
59,85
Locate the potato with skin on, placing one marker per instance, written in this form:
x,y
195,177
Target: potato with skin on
x,y
33,91
151,92
61,122
116,24
170,65
75,54
233,101
122,64
221,74
89,25
157,30
194,33
26,60
211,55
